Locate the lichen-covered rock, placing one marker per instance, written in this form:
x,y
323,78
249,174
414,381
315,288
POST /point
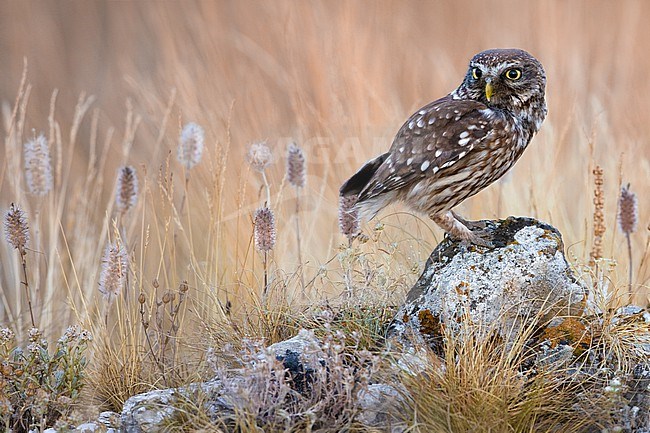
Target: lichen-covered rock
x,y
638,398
378,404
524,277
295,355
110,420
144,413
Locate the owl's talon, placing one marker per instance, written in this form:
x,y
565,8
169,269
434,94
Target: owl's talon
x,y
480,238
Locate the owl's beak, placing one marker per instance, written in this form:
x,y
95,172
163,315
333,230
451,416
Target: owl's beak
x,y
489,90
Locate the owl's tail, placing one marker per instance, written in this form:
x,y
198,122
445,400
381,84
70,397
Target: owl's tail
x,y
357,184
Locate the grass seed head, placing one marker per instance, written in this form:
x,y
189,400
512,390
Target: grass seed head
x,y
114,267
296,173
264,229
259,156
38,167
127,188
348,217
190,148
628,210
598,216
16,230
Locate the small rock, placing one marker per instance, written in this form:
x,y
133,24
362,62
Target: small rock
x,y
378,407
145,413
295,354
90,427
109,419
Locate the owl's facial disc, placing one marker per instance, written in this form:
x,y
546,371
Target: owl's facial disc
x,y
495,85
503,78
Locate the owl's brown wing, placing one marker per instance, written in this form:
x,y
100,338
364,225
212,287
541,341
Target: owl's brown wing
x,y
433,139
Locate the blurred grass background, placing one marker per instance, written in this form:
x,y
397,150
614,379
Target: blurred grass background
x,y
337,77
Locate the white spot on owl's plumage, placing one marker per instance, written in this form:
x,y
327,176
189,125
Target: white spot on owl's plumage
x,y
401,149
409,161
436,169
464,134
432,120
411,124
463,141
438,153
420,122
449,163
424,165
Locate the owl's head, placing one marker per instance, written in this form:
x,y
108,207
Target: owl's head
x,y
509,79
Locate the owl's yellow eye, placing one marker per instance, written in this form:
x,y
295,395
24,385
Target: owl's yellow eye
x,y
476,73
513,74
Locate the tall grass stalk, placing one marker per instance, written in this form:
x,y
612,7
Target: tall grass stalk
x,y
628,218
17,234
297,177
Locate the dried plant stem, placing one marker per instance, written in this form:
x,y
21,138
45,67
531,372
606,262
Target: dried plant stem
x,y
174,326
23,253
109,304
266,274
629,255
349,287
187,182
145,325
267,187
628,218
298,241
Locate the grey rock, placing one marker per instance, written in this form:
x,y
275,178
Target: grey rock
x,y
302,343
90,427
379,404
524,277
297,357
109,419
637,397
145,413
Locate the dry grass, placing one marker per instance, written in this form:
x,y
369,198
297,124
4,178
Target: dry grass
x,y
534,383
338,78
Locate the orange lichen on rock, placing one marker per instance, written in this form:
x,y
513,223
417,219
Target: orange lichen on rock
x,y
429,324
571,332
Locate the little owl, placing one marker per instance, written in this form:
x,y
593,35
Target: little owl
x,y
454,147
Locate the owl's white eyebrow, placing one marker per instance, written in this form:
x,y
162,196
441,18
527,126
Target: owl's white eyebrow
x,y
511,64
503,65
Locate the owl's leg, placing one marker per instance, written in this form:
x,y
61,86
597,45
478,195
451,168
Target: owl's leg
x,y
456,229
472,225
